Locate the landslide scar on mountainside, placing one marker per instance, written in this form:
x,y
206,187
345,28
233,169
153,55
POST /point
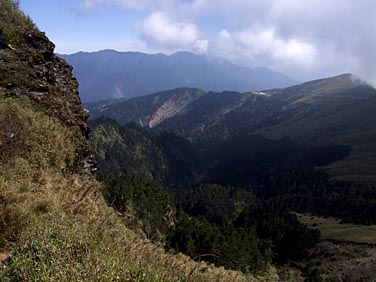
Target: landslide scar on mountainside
x,y
172,107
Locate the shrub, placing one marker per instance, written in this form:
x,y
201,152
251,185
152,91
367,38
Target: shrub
x,y
13,24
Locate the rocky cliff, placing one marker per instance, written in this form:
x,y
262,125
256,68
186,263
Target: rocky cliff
x,y
54,223
29,68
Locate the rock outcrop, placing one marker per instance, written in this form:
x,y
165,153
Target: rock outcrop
x,y
29,67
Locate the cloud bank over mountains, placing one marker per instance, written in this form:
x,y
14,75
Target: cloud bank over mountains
x,y
304,39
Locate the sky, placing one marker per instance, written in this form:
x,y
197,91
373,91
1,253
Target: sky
x,y
305,39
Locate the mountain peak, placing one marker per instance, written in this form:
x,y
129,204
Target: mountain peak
x,y
104,75
184,54
324,86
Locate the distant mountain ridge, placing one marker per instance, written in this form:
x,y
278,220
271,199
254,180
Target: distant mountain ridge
x,y
109,74
336,110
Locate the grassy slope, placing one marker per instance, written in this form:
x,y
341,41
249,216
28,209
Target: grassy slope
x,y
336,115
345,254
47,211
332,229
54,223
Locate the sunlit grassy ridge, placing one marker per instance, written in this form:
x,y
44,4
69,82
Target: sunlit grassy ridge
x,y
56,226
54,223
333,229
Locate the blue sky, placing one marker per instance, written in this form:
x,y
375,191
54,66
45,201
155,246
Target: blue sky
x,y
305,39
73,29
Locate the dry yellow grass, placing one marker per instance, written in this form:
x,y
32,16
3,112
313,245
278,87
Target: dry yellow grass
x,y
55,225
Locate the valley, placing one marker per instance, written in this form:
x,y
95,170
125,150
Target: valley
x,y
333,229
231,187
336,110
250,158
180,167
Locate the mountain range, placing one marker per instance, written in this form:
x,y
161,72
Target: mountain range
x,y
235,160
187,179
109,74
337,110
54,220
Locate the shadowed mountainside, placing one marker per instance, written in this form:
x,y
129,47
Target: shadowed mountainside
x,y
54,222
337,110
109,74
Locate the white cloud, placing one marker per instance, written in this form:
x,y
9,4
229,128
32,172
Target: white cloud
x,y
89,4
134,4
265,42
263,46
224,34
124,4
201,46
158,29
303,38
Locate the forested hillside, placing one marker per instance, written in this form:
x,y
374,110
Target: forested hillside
x,y
336,110
54,222
230,205
211,222
234,178
190,185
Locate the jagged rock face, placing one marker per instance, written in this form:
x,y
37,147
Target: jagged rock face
x,y
28,67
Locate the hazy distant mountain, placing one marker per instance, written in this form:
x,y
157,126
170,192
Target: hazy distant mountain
x,y
110,74
337,110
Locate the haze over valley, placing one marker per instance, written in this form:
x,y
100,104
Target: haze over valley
x,y
187,140
109,74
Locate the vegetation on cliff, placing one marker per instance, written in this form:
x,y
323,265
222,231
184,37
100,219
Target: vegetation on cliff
x,y
54,222
233,199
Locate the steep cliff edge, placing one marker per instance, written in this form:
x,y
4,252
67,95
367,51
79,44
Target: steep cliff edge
x,y
28,67
54,223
